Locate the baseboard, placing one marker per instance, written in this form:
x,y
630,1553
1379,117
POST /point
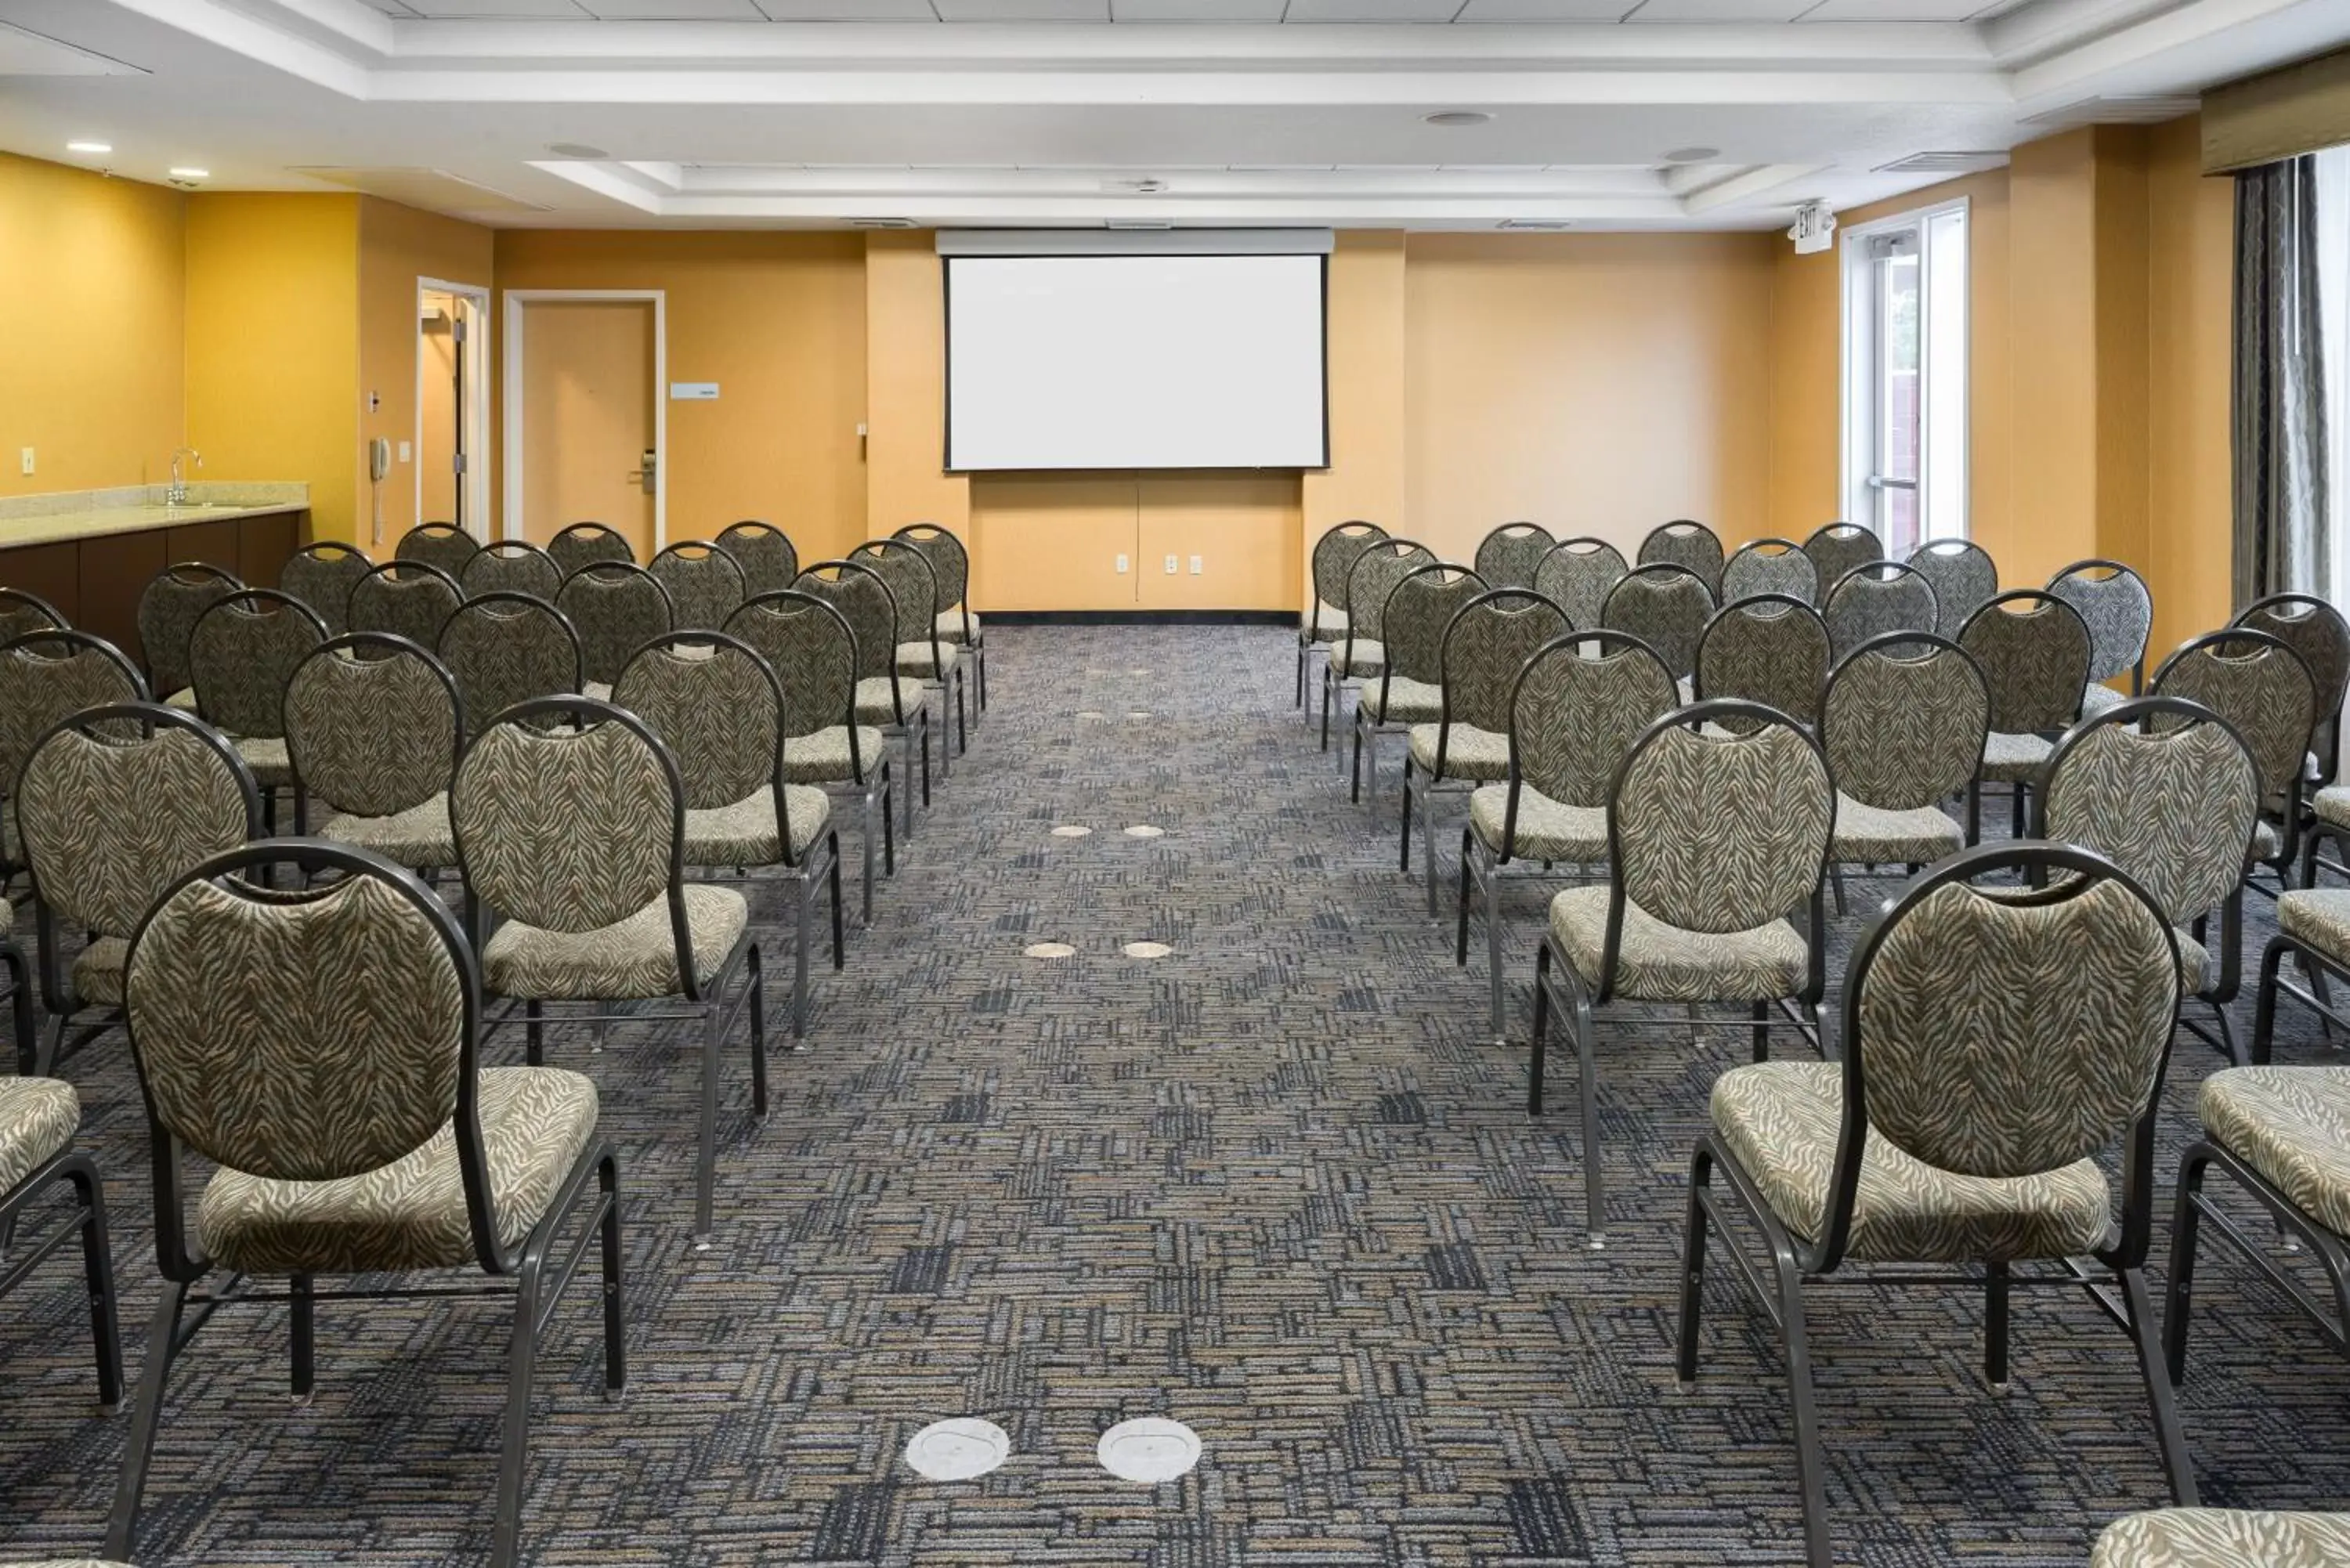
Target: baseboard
x,y
1139,618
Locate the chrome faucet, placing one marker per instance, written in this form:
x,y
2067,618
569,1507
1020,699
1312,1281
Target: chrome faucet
x,y
177,495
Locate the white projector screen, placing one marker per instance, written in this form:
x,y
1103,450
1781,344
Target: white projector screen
x,y
1135,361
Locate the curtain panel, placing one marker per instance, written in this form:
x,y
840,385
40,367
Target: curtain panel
x,y
2278,447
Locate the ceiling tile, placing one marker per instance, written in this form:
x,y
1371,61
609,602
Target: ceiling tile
x,y
1895,10
1196,10
1023,10
848,10
673,10
1372,10
1720,10
538,10
1546,10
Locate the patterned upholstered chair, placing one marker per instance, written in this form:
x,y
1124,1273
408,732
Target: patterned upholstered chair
x,y
1410,688
243,652
1575,707
715,703
373,723
617,608
705,584
1359,656
765,552
1667,608
503,649
322,575
1770,649
2223,1538
1689,545
38,1119
2168,791
1903,723
2034,651
2315,630
923,654
174,599
588,544
112,814
957,623
1964,576
1577,575
21,612
1335,555
1712,842
441,545
1837,548
1997,1040
2259,685
1770,566
413,600
1486,644
45,677
511,566
2118,609
884,702
319,1049
1509,556
1875,599
573,844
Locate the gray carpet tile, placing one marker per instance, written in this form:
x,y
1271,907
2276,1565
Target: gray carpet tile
x,y
1277,1185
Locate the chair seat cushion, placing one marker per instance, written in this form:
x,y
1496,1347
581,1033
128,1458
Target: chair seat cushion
x,y
265,756
410,1214
2011,759
2332,804
1400,699
2266,845
1470,752
632,958
37,1119
914,659
1658,962
599,690
951,628
1546,829
2293,1126
1871,836
824,757
420,836
743,834
1363,656
1780,1120
185,697
2318,917
2194,964
1326,625
2223,1538
2097,698
97,972
874,705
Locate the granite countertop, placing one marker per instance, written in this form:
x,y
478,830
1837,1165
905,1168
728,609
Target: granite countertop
x,y
131,509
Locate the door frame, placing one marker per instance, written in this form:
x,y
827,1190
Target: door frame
x,y
516,302
478,403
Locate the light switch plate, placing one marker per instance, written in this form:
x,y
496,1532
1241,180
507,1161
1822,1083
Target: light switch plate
x,y
28,460
1195,566
403,451
1171,567
1121,562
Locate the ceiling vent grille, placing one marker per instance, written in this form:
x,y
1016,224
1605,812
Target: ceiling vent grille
x,y
1943,163
1137,223
1532,225
2115,111
881,222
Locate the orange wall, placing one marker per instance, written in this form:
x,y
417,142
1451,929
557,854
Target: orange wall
x,y
399,246
2189,500
436,419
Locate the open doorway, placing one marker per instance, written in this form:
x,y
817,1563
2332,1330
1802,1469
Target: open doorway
x,y
452,405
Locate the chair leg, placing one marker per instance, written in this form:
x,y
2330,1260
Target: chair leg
x,y
1405,859
534,1032
616,1338
302,1309
1461,909
1835,884
1326,707
840,958
1974,812
804,935
1428,844
1493,948
1541,1022
2264,1001
1587,1072
97,1277
1995,1283
1693,1266
889,834
1810,1469
872,798
1762,1031
2177,1466
2186,1220
926,760
755,975
45,1058
522,1364
962,717
139,1448
20,1004
705,1177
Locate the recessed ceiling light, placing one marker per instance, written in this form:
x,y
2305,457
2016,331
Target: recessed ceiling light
x,y
184,172
90,147
576,150
1693,155
1453,117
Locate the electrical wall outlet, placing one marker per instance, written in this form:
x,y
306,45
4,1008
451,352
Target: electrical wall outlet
x,y
1121,563
1171,567
28,460
1195,566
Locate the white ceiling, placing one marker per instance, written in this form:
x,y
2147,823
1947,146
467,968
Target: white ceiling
x,y
782,114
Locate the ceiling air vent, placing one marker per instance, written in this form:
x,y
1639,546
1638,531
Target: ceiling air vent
x,y
1137,223
1943,163
2113,111
880,222
1531,225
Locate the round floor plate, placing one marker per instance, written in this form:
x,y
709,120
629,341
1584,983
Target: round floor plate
x,y
1147,949
1139,713
1151,1449
1091,713
1048,949
1144,830
959,1449
1071,830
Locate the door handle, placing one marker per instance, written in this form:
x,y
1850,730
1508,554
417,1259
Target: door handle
x,y
647,473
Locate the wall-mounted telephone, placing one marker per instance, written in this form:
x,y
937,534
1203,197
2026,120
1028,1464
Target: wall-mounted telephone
x,y
378,466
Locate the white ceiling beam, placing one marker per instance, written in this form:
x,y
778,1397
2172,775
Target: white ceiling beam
x,y
338,69
1746,185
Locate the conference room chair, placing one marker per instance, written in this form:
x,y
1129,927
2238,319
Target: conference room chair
x,y
1358,656
373,723
1665,606
705,584
957,623
38,1119
46,677
1770,649
1577,575
2260,687
322,575
2222,1538
1486,644
1763,566
21,612
174,600
2118,608
1997,1042
716,704
1837,548
1964,577
1711,841
2034,651
504,648
765,552
441,545
1509,556
573,844
321,1052
808,645
2315,630
1575,707
511,566
1686,543
1875,599
922,655
1902,722
245,649
112,814
883,701
1410,688
413,600
591,543
616,606
1334,557
2167,790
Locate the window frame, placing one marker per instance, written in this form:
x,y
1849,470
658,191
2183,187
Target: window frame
x,y
1860,405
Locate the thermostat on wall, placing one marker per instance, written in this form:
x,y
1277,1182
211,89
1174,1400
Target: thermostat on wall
x,y
692,392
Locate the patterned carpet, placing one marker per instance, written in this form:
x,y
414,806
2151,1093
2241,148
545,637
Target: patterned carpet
x,y
1276,1185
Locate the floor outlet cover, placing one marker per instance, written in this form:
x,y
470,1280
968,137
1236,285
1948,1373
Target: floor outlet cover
x,y
1048,949
1147,949
1144,830
1070,830
959,1449
1151,1449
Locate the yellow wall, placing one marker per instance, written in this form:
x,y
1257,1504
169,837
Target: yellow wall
x,y
1366,353
436,416
906,391
2190,501
397,246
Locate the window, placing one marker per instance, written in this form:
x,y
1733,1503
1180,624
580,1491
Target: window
x,y
1905,377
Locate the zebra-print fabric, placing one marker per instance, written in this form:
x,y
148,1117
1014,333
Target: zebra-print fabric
x,y
766,555
1668,609
1546,829
1657,961
1335,555
1773,654
418,837
1692,546
1374,575
2265,692
2224,1538
1415,617
1577,576
38,689
615,609
22,612
824,757
437,545
322,577
1508,555
1400,699
2293,1126
2316,631
1905,726
506,650
585,545
913,587
2119,612
512,566
1839,547
2319,918
570,832
1722,835
633,958
1872,836
1470,752
950,568
1770,566
1575,717
109,824
1874,599
705,584
371,736
814,656
864,601
714,709
2035,660
1964,577
168,608
743,833
2175,810
406,601
39,1117
243,653
1484,650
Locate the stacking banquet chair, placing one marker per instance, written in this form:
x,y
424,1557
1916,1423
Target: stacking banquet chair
x,y
1837,548
441,545
501,648
588,544
373,723
1903,723
1410,687
1358,655
2260,687
1770,566
863,599
2222,1538
112,813
1873,599
573,844
1711,841
413,600
174,599
511,566
705,584
1575,707
21,612
1577,575
1509,556
320,1048
1485,645
1766,648
808,645
1689,545
1996,1041
38,1118
322,575
2034,651
1335,555
920,654
616,607
765,552
243,652
44,678
1964,577
716,704
2315,630
1665,606
2115,604
957,623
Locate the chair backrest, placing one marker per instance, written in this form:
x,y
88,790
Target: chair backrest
x,y
2034,651
2315,630
1380,566
1487,643
616,607
1664,605
1770,649
717,706
1577,706
511,566
2174,808
413,600
1577,575
21,612
111,814
2118,609
865,602
1686,543
765,552
1508,557
1770,566
586,544
1416,615
914,586
322,575
950,566
501,648
174,599
244,650
1875,599
1335,555
48,675
808,644
2259,685
441,545
372,723
1964,577
1837,548
1904,721
705,584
